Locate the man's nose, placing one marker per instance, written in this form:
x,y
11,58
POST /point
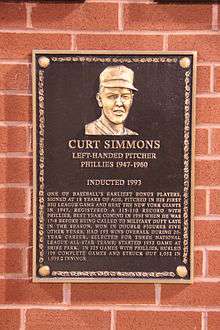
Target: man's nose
x,y
119,101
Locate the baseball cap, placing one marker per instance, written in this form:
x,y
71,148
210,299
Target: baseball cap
x,y
117,76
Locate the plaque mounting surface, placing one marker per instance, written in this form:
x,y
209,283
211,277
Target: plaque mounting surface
x,y
113,166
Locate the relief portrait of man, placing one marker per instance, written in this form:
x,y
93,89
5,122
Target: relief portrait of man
x,y
115,98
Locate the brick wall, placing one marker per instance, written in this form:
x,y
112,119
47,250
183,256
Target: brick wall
x,y
134,25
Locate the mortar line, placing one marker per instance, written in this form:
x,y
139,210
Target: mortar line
x,y
25,261
208,94
17,246
16,155
73,42
28,15
108,308
15,185
15,92
207,157
209,140
157,294
212,248
117,32
15,61
215,17
212,78
208,202
165,42
211,125
204,321
28,201
23,319
15,123
207,218
205,263
113,319
120,16
15,277
13,216
67,293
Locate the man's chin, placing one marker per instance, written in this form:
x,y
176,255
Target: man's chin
x,y
118,120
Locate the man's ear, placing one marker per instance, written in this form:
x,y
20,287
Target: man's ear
x,y
99,100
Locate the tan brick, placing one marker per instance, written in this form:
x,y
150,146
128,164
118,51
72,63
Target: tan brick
x,y
20,45
12,15
197,294
16,231
13,139
10,260
12,200
130,320
203,79
68,320
215,141
207,172
14,76
207,46
142,16
86,16
112,294
201,141
214,263
207,110
27,292
111,41
207,232
11,318
15,170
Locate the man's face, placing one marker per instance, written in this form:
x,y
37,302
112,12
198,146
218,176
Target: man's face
x,y
115,103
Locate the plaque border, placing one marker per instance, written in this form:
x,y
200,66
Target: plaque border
x,y
34,96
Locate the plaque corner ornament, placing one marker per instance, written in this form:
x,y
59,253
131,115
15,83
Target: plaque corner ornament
x,y
181,271
185,62
43,62
44,271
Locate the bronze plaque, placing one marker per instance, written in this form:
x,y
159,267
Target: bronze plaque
x,y
113,166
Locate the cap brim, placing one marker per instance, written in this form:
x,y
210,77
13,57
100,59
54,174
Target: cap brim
x,y
119,83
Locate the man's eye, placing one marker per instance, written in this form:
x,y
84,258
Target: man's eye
x,y
112,97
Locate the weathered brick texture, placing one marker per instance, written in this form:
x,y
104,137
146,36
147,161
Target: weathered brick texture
x,y
25,292
207,46
124,42
197,294
9,318
20,45
207,232
15,108
158,320
16,231
90,16
58,320
14,76
113,294
167,17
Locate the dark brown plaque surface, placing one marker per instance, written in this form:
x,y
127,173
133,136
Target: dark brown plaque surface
x,y
113,167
